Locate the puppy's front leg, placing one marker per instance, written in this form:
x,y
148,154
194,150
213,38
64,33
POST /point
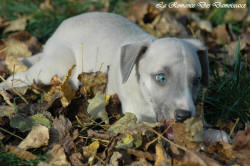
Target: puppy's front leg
x,y
56,61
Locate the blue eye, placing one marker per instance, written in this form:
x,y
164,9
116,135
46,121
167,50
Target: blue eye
x,y
161,78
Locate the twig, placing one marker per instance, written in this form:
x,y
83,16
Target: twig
x,y
100,66
13,76
171,142
92,133
10,133
235,124
14,90
96,139
149,143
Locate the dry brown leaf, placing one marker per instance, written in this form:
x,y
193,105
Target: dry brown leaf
x,y
16,49
46,5
221,34
92,83
61,89
241,146
223,150
114,159
141,162
134,14
237,14
160,155
2,50
1,136
14,65
7,111
58,156
231,47
76,158
38,136
196,159
31,41
189,133
7,97
17,25
60,129
20,152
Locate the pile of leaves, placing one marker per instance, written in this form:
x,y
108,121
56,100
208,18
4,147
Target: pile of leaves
x,y
57,125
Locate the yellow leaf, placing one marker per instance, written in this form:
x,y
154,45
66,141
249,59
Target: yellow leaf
x,y
91,149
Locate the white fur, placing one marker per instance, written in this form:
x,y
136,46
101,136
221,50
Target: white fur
x,y
102,36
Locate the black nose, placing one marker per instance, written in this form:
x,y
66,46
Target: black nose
x,y
181,115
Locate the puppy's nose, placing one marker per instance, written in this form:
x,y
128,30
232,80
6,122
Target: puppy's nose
x,y
181,115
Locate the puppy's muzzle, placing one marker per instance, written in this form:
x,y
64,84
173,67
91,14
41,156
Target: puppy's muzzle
x,y
181,115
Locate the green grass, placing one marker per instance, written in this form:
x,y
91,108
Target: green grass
x,y
229,95
44,21
10,159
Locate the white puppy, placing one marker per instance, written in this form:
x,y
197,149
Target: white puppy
x,y
154,78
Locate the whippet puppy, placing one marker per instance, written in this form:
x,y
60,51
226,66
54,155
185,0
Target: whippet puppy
x,y
154,78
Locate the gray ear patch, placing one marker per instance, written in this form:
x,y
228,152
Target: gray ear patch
x,y
203,58
129,55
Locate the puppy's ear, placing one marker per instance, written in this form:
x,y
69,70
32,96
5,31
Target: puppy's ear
x,y
203,57
130,53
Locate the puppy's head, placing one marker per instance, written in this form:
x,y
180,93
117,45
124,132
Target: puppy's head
x,y
169,72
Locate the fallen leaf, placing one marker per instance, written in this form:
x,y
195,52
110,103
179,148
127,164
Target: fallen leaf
x,y
38,136
221,34
125,142
60,128
129,119
16,50
96,107
134,14
236,14
17,25
223,150
196,159
20,152
76,158
7,97
141,162
206,25
2,50
30,41
141,155
7,111
46,5
90,151
114,159
14,65
92,83
189,134
61,89
22,123
160,155
1,136
58,156
231,47
241,146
